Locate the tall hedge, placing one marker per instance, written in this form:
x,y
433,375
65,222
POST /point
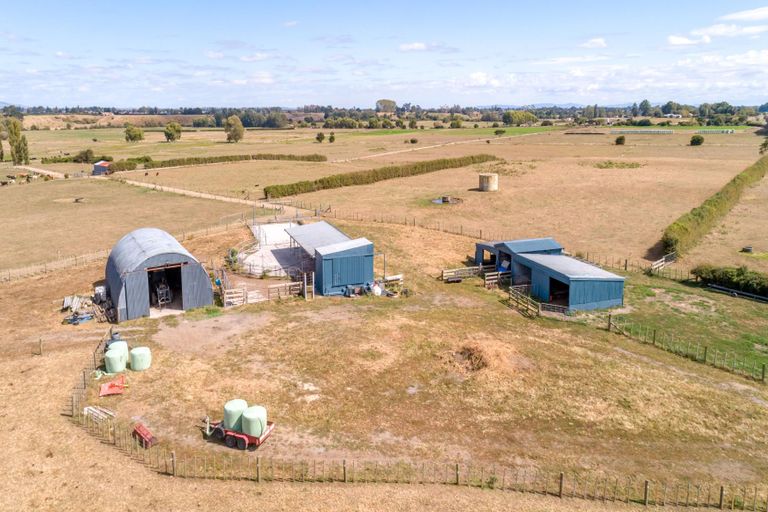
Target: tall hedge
x,y
177,162
740,278
687,230
373,175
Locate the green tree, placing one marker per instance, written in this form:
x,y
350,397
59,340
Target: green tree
x,y
332,138
645,108
697,140
386,106
233,127
13,129
499,132
320,137
133,133
412,124
620,140
635,110
23,150
172,131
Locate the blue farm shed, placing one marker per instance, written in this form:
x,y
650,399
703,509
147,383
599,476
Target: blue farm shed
x,y
500,253
101,168
339,262
554,277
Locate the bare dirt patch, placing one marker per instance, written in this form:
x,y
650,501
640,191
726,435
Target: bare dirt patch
x,y
211,334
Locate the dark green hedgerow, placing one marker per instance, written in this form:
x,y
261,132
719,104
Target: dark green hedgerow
x,y
177,162
373,175
687,230
740,278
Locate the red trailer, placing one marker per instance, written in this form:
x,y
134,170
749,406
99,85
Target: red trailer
x,y
233,438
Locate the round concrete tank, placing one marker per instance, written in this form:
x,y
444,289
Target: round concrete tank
x,y
489,182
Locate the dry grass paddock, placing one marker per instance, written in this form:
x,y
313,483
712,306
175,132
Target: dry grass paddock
x,y
448,374
745,225
551,185
349,143
42,222
52,465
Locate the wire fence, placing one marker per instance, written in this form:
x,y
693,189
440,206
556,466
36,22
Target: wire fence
x,y
223,225
724,360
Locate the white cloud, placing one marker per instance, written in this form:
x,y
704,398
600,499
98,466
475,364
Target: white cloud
x,y
576,59
685,41
595,42
214,55
291,23
481,79
255,57
419,46
413,47
759,14
723,30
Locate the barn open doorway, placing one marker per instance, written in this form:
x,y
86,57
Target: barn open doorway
x,y
165,290
559,292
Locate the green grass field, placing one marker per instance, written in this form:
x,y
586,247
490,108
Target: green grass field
x,y
694,314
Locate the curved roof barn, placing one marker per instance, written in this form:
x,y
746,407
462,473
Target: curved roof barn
x,y
142,259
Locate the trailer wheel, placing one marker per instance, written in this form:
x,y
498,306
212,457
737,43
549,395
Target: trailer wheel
x,y
230,441
240,443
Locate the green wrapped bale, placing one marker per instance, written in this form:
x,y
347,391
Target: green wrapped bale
x,y
254,421
122,347
233,414
114,361
141,358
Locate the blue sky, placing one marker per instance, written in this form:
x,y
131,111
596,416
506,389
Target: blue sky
x,y
193,53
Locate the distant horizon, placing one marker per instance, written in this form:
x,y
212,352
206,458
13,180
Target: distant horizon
x,y
348,54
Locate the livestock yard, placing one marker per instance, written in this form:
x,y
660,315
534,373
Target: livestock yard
x,y
436,380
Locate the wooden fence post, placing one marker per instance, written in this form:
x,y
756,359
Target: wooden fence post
x,y
173,462
763,376
645,493
344,469
457,474
562,484
610,317
722,498
258,469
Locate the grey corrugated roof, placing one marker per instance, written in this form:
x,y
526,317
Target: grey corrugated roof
x,y
570,267
530,245
343,246
137,246
317,234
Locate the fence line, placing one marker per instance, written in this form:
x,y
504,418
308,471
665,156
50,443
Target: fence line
x,y
76,261
697,352
166,459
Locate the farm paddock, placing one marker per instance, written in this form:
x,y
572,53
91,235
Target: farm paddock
x,y
420,359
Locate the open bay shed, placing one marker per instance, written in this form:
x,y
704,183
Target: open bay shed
x,y
566,281
339,262
147,262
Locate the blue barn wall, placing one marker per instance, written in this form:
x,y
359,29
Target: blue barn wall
x,y
540,284
594,294
336,271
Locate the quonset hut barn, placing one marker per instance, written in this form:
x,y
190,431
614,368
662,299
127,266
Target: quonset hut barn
x,y
148,267
339,262
553,277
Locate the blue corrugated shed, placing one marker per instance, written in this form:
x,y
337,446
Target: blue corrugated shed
x,y
343,264
502,251
560,278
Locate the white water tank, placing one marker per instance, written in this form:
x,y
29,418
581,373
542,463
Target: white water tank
x,y
489,182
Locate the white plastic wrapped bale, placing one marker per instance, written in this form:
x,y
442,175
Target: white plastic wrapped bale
x,y
254,421
114,361
141,358
122,347
233,414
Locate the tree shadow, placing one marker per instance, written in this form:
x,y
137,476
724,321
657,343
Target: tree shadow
x,y
655,252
